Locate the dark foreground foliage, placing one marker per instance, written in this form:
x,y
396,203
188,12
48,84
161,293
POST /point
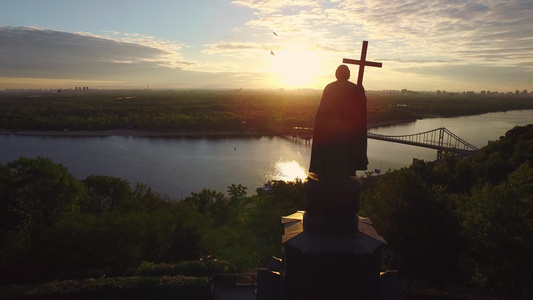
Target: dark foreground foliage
x,y
54,227
115,287
186,279
462,221
467,221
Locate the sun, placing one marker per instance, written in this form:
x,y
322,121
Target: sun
x,y
295,68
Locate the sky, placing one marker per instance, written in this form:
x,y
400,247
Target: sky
x,y
424,45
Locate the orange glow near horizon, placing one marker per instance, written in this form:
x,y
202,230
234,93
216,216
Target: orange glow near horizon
x,y
51,83
296,68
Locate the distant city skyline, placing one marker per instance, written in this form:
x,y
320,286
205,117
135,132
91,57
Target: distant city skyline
x,y
456,46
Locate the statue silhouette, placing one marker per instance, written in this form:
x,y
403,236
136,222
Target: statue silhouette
x,y
340,134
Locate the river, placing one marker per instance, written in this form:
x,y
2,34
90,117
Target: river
x,y
175,167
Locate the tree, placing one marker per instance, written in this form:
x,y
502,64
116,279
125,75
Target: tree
x,y
265,223
106,193
416,223
36,195
237,191
146,199
185,243
46,189
12,214
498,223
287,196
207,201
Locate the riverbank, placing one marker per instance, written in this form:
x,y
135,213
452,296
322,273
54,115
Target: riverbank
x,y
130,132
390,123
164,134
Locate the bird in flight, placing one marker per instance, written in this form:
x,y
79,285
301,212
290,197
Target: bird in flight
x,y
272,52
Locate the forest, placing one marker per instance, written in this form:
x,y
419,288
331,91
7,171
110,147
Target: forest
x,y
218,110
466,221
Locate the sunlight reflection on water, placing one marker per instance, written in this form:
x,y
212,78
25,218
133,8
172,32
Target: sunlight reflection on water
x,y
289,171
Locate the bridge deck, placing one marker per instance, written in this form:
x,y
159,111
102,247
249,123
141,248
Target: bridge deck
x,y
439,139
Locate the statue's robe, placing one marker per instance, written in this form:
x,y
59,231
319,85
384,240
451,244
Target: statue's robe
x,y
340,132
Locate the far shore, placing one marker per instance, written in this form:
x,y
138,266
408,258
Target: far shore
x,y
151,133
128,132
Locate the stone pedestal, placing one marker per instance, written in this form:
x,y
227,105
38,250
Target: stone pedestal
x,y
329,252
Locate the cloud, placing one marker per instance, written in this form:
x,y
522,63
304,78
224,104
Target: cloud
x,y
446,28
485,42
39,57
32,52
475,77
236,48
295,19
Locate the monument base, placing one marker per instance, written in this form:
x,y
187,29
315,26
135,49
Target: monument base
x,y
329,252
318,267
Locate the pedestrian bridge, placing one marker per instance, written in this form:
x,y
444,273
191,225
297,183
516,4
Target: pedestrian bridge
x,y
440,139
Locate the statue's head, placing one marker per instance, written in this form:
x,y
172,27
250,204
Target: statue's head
x,y
342,73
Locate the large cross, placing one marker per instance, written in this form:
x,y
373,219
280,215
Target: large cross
x,y
362,63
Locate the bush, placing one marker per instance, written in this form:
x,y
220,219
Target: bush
x,y
152,287
187,268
